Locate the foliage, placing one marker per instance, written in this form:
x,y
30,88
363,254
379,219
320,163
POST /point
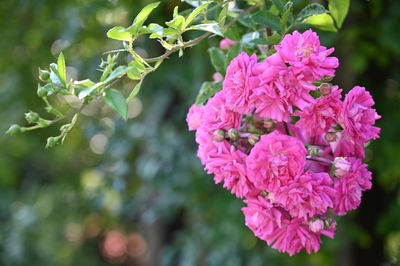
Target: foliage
x,y
210,16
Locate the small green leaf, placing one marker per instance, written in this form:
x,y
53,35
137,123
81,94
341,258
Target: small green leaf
x,y
217,59
195,13
285,16
207,90
322,22
232,53
339,9
62,72
248,38
233,33
177,23
210,27
119,33
117,102
135,91
54,75
141,18
275,38
266,18
279,4
157,30
116,73
311,10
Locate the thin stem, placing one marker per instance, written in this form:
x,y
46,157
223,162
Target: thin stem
x,y
287,129
319,160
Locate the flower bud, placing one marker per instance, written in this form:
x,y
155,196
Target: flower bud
x,y
330,137
44,75
340,166
218,77
253,139
233,134
43,91
226,44
32,117
219,135
325,89
269,124
313,150
330,223
264,193
15,130
316,225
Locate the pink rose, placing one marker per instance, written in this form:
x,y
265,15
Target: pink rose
x,y
275,160
239,83
357,117
194,117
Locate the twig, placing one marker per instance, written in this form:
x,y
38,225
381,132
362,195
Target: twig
x,y
200,38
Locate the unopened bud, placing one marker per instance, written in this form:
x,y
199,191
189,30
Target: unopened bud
x,y
43,91
32,117
330,137
264,193
341,166
218,77
219,135
233,134
15,130
253,139
330,223
316,225
269,124
313,150
44,75
325,89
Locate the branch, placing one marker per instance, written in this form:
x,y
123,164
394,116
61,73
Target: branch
x,y
200,38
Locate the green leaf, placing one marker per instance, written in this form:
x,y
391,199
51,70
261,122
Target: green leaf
x,y
54,75
210,27
322,22
232,53
157,30
248,38
233,33
311,10
141,18
339,9
116,73
62,72
135,91
285,16
275,38
266,18
177,23
119,33
117,102
207,90
217,59
195,13
279,4
89,90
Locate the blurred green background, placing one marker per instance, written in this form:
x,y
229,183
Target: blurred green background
x,y
134,193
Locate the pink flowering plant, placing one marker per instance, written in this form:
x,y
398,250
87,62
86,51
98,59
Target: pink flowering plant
x,y
271,127
283,138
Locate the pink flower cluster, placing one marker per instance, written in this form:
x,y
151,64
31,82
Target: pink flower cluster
x,y
282,138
